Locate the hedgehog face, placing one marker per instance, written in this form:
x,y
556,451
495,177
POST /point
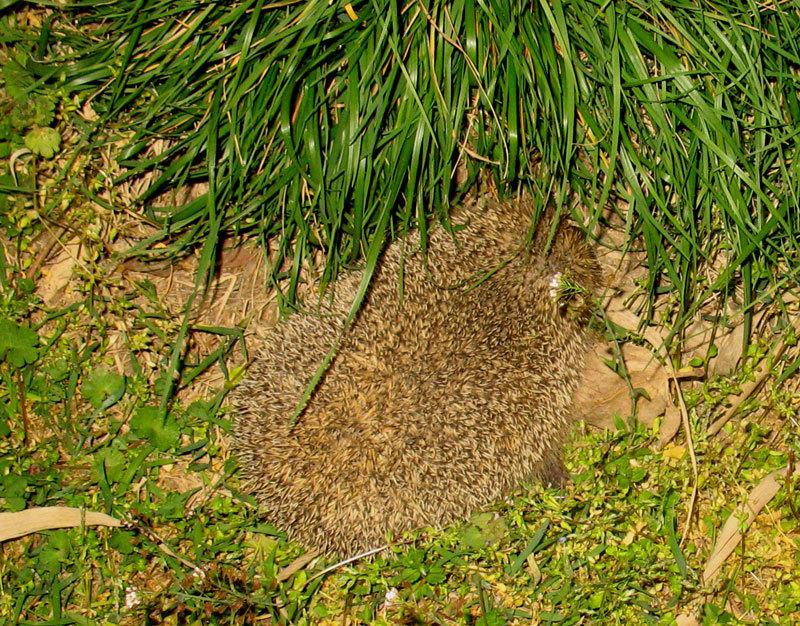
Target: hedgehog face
x,y
574,272
568,274
571,255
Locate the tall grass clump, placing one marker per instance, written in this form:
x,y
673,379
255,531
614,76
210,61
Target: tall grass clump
x,y
333,125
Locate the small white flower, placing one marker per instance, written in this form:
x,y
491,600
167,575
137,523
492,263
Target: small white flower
x,y
391,596
131,598
555,284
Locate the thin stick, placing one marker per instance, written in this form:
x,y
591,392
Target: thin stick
x,y
298,564
751,387
363,555
52,239
162,545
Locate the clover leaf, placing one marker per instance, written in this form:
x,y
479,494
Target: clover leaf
x,y
18,80
13,488
123,541
112,462
18,344
148,424
43,109
483,529
103,388
43,140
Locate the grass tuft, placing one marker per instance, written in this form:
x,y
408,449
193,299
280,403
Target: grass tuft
x,y
318,123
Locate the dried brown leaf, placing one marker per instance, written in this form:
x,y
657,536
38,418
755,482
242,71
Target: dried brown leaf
x,y
21,523
56,274
603,394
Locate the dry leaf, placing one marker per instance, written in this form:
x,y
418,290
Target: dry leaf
x,y
602,393
57,273
728,341
762,372
88,113
295,566
739,521
670,425
673,452
619,314
13,525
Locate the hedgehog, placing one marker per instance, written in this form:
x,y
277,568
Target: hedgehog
x,y
452,385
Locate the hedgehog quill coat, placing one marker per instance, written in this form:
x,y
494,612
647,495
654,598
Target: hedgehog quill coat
x,y
437,403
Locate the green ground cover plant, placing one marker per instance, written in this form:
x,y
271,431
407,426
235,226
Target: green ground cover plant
x,y
142,134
